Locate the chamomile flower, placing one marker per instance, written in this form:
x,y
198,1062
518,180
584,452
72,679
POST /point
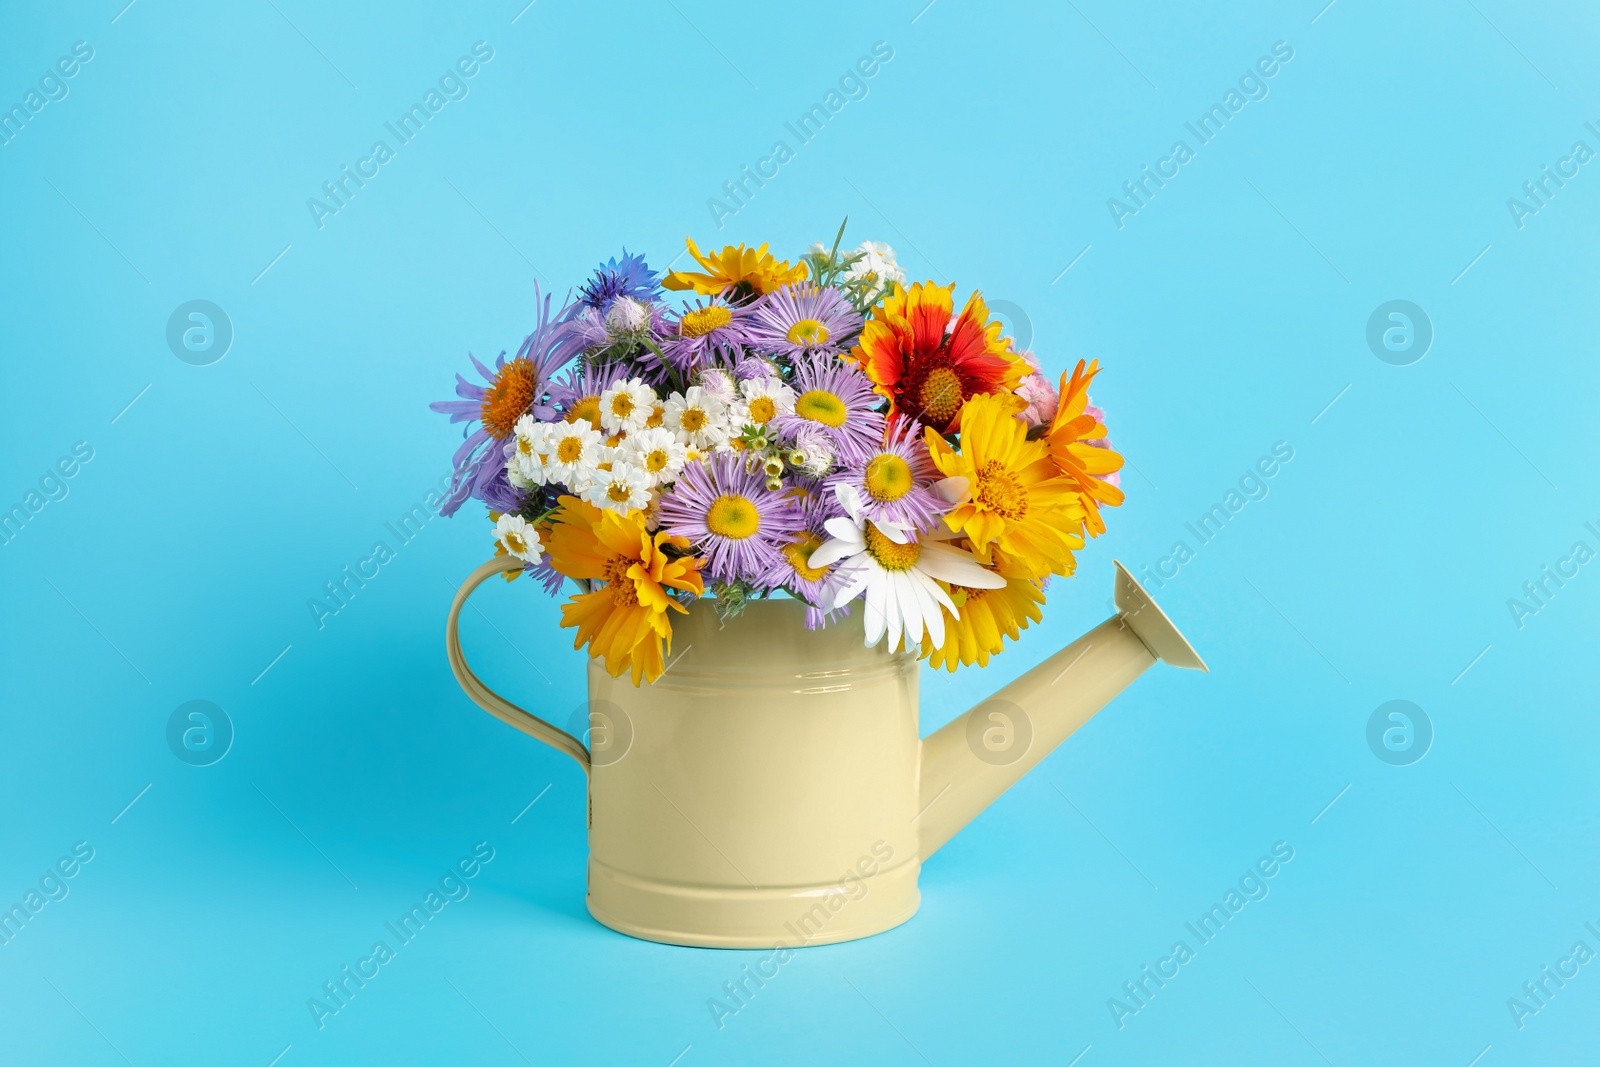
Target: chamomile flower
x,y
574,451
697,418
519,537
896,573
760,401
626,405
656,452
622,487
528,463
878,268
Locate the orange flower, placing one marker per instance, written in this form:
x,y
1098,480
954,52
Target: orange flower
x,y
927,372
735,265
1080,462
624,619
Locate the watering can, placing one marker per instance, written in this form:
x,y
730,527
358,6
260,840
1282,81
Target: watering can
x,y
772,789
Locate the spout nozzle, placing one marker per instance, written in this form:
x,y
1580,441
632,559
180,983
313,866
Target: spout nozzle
x,y
1151,624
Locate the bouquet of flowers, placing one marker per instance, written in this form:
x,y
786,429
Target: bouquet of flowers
x,y
815,429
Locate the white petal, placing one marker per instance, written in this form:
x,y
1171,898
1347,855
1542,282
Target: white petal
x,y
844,530
892,608
941,597
957,567
900,535
910,606
925,589
873,618
831,552
953,490
849,583
849,499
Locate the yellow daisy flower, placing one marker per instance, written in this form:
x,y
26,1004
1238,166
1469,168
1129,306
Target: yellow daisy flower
x,y
984,619
735,265
624,620
1009,497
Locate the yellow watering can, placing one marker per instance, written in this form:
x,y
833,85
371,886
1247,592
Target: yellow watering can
x,y
772,788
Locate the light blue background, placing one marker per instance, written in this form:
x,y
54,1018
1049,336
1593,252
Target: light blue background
x,y
1228,313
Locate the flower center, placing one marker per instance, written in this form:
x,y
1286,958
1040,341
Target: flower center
x,y
505,401
622,405
515,542
798,553
701,321
808,332
568,449
819,405
891,556
762,409
693,420
655,462
1000,492
618,492
940,395
588,408
733,516
623,592
888,477
657,415
525,446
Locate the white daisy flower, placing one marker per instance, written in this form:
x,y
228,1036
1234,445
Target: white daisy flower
x,y
626,405
622,488
895,572
657,452
518,536
877,265
528,464
574,452
760,401
697,418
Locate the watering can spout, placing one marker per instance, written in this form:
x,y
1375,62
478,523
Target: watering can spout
x,y
972,760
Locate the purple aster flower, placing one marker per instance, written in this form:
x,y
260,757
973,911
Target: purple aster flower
x,y
630,276
512,390
730,516
837,398
896,481
755,367
712,333
800,319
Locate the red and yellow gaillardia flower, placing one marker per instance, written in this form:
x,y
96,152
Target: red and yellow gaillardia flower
x,y
1080,462
927,372
1011,501
735,265
624,619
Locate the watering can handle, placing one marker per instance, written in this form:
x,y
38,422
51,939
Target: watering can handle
x,y
487,698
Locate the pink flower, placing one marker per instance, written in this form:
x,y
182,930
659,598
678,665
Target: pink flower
x,y
1038,392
